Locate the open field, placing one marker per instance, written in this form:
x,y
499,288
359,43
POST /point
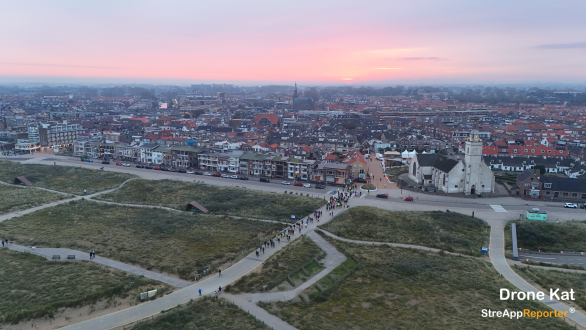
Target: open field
x,y
547,236
66,179
34,287
209,313
218,200
555,279
14,199
279,264
392,172
396,288
449,231
166,241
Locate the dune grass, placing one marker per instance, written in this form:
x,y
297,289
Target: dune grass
x,y
449,231
279,264
547,236
218,200
208,313
166,241
396,288
68,179
14,199
392,172
555,279
34,287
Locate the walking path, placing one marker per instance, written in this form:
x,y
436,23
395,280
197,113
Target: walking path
x,y
63,253
32,187
568,270
243,301
332,260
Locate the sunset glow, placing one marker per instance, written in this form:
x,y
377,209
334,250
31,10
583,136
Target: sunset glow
x,y
451,41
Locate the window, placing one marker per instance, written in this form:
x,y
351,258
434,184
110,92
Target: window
x,y
525,150
583,196
542,151
547,185
515,150
360,165
574,194
565,194
547,192
549,151
456,186
532,151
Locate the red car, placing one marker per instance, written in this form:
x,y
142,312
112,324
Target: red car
x,y
118,164
408,199
216,174
298,184
157,168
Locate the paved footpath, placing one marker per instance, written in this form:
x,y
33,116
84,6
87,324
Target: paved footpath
x,y
63,253
243,301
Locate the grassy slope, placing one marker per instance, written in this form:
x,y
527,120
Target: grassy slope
x,y
397,288
392,172
14,199
547,236
67,179
281,263
164,240
555,279
208,314
218,200
449,231
33,287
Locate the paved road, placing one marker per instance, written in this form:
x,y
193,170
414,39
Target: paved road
x,y
555,258
422,202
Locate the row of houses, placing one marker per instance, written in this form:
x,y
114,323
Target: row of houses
x,y
570,167
532,185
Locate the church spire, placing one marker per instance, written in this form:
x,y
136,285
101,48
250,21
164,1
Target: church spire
x,y
295,92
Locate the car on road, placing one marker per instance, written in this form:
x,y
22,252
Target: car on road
x,y
181,170
139,166
172,170
148,167
233,176
190,172
118,164
408,199
286,182
225,176
208,174
360,180
571,206
216,174
105,162
157,168
197,173
267,180
582,206
164,169
298,184
89,160
319,186
126,165
307,185
243,177
382,196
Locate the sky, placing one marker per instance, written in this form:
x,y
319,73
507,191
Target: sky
x,y
311,42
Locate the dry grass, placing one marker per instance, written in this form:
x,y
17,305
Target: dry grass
x,y
279,264
548,236
14,199
218,200
166,241
392,172
66,179
34,287
209,313
449,231
396,288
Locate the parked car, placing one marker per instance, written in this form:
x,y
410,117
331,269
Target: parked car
x,y
139,166
105,162
319,186
207,173
197,173
89,160
382,196
582,206
216,174
408,199
267,180
172,170
148,167
360,180
118,164
298,184
431,190
126,165
423,189
307,185
164,169
243,177
225,176
157,168
286,182
571,206
233,176
190,172
181,170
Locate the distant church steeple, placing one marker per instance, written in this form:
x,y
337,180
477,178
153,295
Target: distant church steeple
x,y
295,92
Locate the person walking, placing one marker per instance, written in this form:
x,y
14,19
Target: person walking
x,y
257,253
219,290
219,272
200,292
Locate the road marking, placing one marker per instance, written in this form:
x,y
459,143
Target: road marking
x,y
362,196
535,257
331,192
498,208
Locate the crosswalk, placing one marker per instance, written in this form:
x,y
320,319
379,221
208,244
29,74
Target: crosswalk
x,y
498,208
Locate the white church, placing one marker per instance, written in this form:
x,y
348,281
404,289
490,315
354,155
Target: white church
x,y
471,176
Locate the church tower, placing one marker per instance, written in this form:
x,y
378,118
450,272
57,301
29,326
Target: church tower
x,y
473,163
